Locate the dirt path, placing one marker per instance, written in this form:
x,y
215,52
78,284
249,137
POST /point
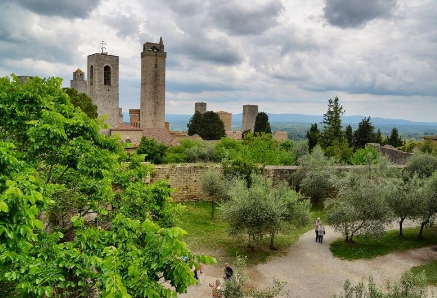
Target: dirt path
x,y
310,270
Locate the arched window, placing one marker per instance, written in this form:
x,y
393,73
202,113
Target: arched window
x,y
91,74
107,75
81,76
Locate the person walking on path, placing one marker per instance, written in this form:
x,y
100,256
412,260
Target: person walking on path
x,y
228,272
216,289
316,226
321,232
200,272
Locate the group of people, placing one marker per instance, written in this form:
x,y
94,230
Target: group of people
x,y
228,272
320,230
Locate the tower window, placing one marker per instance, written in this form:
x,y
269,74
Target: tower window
x,y
81,76
91,75
107,75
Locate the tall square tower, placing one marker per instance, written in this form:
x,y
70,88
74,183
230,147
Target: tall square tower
x,y
103,85
152,107
78,82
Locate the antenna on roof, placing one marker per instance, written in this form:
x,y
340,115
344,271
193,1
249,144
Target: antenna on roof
x,y
102,46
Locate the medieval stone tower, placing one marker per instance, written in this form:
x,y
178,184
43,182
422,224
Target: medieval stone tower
x,y
78,82
200,107
152,106
249,115
103,87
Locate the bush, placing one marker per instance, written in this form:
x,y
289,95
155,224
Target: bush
x,y
421,164
409,286
365,156
204,152
154,151
239,168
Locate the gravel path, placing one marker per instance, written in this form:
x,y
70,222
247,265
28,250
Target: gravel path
x,y
310,270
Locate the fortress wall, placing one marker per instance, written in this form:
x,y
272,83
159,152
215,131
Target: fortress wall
x,y
186,178
395,156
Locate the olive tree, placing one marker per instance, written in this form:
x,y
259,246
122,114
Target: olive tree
x,y
262,209
213,184
428,207
360,206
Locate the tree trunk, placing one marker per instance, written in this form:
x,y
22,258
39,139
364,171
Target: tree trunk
x,y
212,209
421,228
400,226
272,241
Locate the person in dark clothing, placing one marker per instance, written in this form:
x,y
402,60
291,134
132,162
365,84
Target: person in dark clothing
x,y
228,271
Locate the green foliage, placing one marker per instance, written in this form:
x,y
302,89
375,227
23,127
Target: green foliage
x,y
313,136
409,286
332,129
430,271
214,186
424,165
349,136
153,151
340,151
314,177
361,206
262,124
364,134
191,151
299,148
394,139
82,101
212,127
194,124
262,209
365,156
56,167
378,137
365,247
240,169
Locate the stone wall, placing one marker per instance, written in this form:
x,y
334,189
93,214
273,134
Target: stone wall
x,y
394,155
186,178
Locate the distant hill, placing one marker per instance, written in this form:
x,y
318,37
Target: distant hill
x,y
179,122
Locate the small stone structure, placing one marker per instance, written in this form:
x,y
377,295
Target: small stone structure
x,y
120,115
78,82
200,107
23,79
152,105
280,136
432,138
235,134
226,118
394,155
249,115
103,85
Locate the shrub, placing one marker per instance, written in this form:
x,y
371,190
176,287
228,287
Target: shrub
x,y
365,156
421,164
154,151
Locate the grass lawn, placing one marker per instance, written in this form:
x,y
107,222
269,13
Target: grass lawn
x,y
368,247
206,236
430,272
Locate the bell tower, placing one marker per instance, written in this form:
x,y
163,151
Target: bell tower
x,y
152,109
103,85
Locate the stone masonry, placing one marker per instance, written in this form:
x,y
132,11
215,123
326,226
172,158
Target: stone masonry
x,y
249,115
227,119
103,85
200,107
152,104
78,82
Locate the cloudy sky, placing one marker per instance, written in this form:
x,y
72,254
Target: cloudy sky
x,y
378,56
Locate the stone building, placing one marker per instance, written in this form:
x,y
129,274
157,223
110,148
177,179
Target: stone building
x,y
200,107
78,82
249,115
103,85
227,119
152,103
134,117
280,136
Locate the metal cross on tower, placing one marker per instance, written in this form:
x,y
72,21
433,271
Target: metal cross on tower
x,y
102,46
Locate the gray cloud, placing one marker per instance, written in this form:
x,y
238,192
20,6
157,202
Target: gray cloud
x,y
238,19
124,25
62,8
356,13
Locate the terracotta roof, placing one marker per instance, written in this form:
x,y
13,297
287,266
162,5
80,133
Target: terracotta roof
x,y
78,71
161,135
124,127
